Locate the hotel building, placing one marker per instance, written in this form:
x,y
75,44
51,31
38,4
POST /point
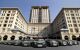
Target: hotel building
x,y
66,25
39,19
13,26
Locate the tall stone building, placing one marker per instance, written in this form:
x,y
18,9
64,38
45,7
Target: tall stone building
x,y
67,24
13,26
40,14
39,19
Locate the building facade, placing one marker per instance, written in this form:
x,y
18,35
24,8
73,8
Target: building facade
x,y
67,24
39,19
39,14
13,26
36,30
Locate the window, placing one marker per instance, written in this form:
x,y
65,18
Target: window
x,y
69,21
70,25
73,17
9,25
77,14
12,14
7,17
13,11
16,19
1,17
10,21
16,23
9,11
74,21
6,21
75,25
17,16
3,14
76,11
71,11
8,14
78,17
4,25
76,30
3,29
72,14
1,21
15,27
68,17
11,17
67,14
4,11
8,29
71,30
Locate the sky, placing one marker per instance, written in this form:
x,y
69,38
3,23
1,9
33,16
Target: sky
x,y
25,5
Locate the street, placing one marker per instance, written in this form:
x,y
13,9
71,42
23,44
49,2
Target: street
x,y
10,47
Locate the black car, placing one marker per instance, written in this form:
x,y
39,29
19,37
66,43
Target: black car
x,y
27,43
62,42
52,43
38,43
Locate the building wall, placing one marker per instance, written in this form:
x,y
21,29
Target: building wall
x,y
36,29
11,18
39,14
70,18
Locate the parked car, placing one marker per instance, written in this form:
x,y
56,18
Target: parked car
x,y
1,42
17,42
27,43
38,43
75,42
5,42
62,42
52,43
70,42
11,42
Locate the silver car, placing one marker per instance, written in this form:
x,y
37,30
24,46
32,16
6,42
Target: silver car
x,y
39,43
27,43
52,43
75,42
17,42
62,42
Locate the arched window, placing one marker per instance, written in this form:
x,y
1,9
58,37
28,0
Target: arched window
x,y
20,37
5,37
66,38
12,37
73,37
78,38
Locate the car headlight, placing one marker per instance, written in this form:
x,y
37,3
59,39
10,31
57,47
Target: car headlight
x,y
64,42
70,42
43,42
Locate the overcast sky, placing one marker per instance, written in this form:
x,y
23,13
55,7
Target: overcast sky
x,y
54,5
